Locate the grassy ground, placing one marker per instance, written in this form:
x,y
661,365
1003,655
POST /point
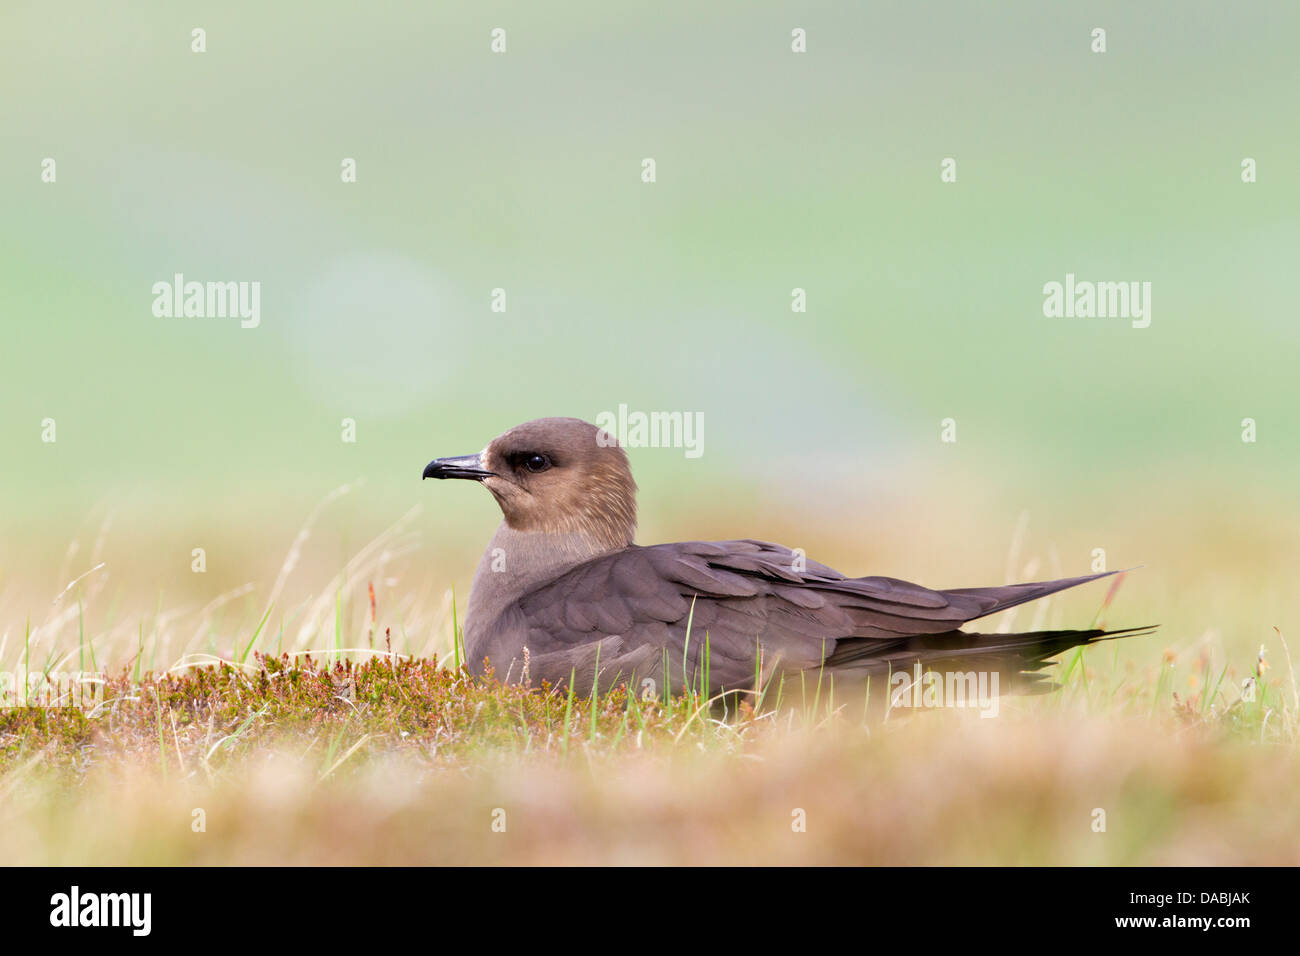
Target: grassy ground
x,y
401,760
331,724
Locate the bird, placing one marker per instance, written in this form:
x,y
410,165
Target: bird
x,y
563,597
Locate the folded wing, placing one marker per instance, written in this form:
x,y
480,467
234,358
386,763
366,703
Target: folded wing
x,y
633,609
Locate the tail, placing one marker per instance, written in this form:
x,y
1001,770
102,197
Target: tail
x,y
1016,658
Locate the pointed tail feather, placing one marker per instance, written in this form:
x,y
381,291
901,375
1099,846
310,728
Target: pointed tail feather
x,y
1010,653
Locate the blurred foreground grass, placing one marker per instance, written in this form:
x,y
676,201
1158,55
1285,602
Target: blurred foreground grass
x,y
396,760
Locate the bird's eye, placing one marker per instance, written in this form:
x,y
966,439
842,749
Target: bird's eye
x,y
536,463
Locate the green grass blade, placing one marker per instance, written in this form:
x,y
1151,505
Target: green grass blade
x,y
253,640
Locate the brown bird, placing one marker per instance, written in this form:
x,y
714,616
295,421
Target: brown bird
x,y
562,590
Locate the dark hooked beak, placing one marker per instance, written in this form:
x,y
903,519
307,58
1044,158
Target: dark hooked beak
x,y
463,466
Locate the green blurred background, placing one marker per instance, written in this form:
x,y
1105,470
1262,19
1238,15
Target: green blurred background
x,y
775,170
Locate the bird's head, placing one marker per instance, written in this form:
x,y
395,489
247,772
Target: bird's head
x,y
556,476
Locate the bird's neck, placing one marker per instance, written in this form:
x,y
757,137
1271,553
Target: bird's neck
x,y
514,563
